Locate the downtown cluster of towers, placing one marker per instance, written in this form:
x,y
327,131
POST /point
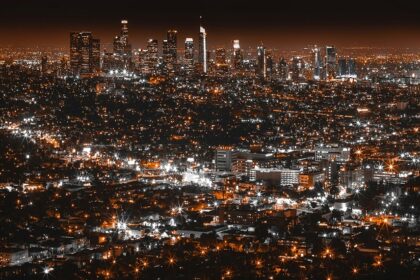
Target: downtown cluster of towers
x,y
85,53
86,58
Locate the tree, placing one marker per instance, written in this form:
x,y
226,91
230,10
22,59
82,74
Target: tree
x,y
338,246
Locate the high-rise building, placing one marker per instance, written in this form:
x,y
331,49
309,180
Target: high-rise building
x,y
108,62
64,66
221,56
346,68
189,53
165,51
331,62
96,56
143,63
237,55
297,68
225,159
342,68
317,63
122,48
172,46
283,70
270,65
261,62
152,53
202,49
351,64
75,53
124,32
84,53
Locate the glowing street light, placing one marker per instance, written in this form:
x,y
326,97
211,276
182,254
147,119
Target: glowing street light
x,y
47,270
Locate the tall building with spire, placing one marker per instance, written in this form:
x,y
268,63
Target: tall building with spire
x,y
122,48
202,49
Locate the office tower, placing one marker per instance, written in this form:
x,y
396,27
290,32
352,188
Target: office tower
x,y
351,64
261,62
124,32
342,68
122,48
202,49
86,53
83,53
74,53
221,56
296,68
64,66
152,53
237,55
317,63
189,53
225,158
172,46
283,70
96,56
270,65
165,52
118,47
346,68
331,62
108,62
143,61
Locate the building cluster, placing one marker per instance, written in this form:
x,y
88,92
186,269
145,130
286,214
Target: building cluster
x,y
86,59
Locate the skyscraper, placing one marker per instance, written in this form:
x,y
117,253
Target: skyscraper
x,y
165,51
283,70
189,53
331,62
84,54
237,55
143,63
172,46
297,67
261,62
343,70
221,56
346,68
269,65
351,64
124,32
152,53
202,49
75,53
317,63
96,56
122,48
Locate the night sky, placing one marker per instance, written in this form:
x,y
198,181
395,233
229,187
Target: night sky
x,y
281,24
